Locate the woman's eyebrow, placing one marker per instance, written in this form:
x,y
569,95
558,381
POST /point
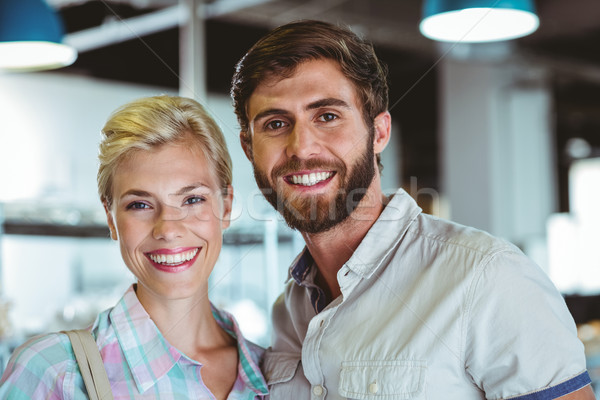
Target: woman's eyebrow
x,y
136,193
191,188
180,192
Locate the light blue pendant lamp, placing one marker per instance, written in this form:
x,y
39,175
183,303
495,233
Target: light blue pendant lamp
x,y
477,21
30,37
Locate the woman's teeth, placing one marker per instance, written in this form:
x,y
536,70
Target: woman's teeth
x,y
311,179
173,259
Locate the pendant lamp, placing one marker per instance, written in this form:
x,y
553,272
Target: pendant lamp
x,y
30,37
477,21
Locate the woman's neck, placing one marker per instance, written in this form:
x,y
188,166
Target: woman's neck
x,y
187,324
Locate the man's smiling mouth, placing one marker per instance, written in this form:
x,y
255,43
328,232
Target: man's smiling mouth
x,y
309,179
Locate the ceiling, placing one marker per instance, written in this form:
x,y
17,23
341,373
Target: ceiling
x,y
566,44
567,28
567,40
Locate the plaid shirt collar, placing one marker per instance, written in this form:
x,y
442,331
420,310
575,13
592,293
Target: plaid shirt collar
x,y
149,356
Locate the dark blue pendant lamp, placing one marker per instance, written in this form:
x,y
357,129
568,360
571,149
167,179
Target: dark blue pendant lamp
x,y
31,37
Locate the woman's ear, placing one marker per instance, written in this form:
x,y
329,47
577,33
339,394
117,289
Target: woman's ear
x,y
227,206
383,127
110,221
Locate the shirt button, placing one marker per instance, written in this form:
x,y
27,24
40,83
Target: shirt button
x,y
373,388
318,390
321,324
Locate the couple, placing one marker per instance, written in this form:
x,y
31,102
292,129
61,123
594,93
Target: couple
x,y
384,302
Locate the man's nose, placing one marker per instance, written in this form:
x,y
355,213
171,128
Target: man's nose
x,y
303,142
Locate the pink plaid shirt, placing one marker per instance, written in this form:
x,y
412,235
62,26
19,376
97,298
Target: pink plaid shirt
x,y
139,362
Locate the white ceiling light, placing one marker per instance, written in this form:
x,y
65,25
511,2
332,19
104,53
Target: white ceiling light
x,y
477,21
30,37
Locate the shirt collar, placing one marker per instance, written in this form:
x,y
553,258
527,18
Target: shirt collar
x,y
248,368
389,228
301,267
303,273
149,356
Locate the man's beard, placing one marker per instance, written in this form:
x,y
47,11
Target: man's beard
x,y
313,214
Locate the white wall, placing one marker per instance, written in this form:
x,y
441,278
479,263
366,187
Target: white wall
x,y
50,132
497,148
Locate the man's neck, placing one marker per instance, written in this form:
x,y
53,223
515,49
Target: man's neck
x,y
330,250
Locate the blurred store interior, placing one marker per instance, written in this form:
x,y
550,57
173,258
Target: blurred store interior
x,y
503,136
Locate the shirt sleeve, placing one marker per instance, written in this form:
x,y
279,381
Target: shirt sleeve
x,y
520,339
42,368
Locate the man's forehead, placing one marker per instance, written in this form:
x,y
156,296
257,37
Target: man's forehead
x,y
274,76
317,77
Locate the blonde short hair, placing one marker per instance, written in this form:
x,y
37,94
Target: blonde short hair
x,y
153,121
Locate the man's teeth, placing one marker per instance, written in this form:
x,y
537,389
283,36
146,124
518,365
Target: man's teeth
x,y
173,258
311,179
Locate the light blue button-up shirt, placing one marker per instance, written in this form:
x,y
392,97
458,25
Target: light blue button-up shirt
x,y
429,310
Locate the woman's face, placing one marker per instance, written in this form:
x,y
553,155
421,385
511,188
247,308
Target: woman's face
x,y
168,214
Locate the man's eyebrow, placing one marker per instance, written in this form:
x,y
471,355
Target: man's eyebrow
x,y
269,112
328,102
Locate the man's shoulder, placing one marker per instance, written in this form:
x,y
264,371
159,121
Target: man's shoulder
x,y
280,309
450,234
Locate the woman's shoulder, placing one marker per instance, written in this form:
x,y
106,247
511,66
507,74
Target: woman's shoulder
x,y
41,363
50,349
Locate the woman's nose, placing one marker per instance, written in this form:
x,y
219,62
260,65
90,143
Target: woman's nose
x,y
169,224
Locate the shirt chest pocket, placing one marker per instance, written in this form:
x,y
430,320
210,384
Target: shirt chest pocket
x,y
384,380
284,376
279,367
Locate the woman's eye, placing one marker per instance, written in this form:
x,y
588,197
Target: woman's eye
x,y
274,125
328,117
137,205
195,200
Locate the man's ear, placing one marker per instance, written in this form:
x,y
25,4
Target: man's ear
x,y
383,127
227,207
246,142
111,222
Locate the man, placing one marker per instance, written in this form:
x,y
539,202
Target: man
x,y
384,301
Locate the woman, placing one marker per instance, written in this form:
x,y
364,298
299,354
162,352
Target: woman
x,y
165,182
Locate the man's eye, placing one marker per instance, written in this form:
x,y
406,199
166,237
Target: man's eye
x,y
137,205
274,125
328,117
195,200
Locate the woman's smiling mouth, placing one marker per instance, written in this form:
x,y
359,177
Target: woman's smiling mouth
x,y
173,262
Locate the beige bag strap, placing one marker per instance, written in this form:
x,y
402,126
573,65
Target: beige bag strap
x,y
90,364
